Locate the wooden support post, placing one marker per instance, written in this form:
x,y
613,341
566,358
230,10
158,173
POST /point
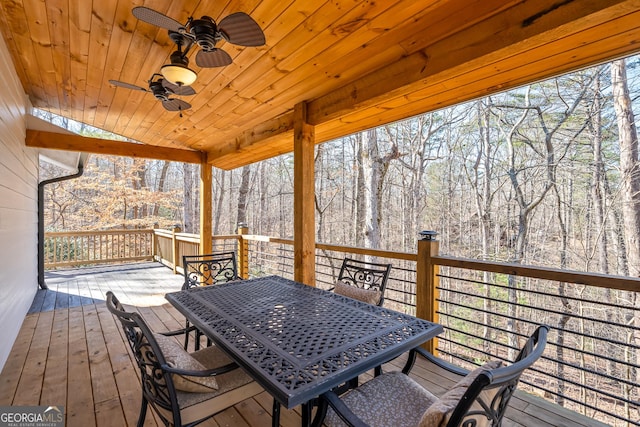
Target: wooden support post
x,y
304,229
154,244
243,252
427,281
206,228
175,255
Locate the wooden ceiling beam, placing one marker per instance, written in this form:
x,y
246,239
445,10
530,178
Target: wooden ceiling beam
x,y
260,135
502,35
497,38
57,141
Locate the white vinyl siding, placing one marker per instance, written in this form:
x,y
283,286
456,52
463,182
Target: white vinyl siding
x,y
18,207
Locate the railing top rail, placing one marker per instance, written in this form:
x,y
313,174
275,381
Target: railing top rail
x,y
188,237
94,233
367,251
259,238
227,237
547,273
339,248
163,233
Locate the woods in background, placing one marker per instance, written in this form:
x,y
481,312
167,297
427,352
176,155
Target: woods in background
x,y
543,174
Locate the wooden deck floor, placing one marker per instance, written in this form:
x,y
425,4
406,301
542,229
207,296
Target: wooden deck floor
x,y
71,352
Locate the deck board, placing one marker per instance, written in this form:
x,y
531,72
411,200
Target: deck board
x,y
71,351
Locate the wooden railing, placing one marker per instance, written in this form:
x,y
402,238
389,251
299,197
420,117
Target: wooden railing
x,y
172,245
592,361
78,248
488,308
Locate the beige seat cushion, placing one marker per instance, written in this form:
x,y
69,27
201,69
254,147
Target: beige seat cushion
x,y
391,399
440,412
369,296
232,387
177,357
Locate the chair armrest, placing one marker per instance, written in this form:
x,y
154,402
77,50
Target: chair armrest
x,y
206,373
433,359
179,331
441,363
343,410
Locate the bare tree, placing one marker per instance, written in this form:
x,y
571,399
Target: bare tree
x,y
243,194
188,207
162,184
374,168
630,170
547,177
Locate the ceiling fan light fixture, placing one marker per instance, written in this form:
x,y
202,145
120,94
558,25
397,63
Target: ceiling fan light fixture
x,y
179,74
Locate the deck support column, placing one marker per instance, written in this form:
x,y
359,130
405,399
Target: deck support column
x,y
175,251
243,252
427,282
206,231
304,229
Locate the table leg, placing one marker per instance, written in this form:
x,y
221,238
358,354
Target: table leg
x,y
275,414
320,412
306,414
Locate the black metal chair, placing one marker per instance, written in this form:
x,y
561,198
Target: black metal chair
x,y
480,398
365,281
183,388
209,269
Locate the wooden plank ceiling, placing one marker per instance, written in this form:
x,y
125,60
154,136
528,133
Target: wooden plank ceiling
x,y
357,64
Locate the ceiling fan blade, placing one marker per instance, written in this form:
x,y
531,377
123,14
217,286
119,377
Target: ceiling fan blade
x,y
213,58
239,28
175,105
178,90
156,18
127,85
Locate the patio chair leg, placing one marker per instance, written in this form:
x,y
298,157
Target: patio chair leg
x,y
275,416
186,336
143,411
197,340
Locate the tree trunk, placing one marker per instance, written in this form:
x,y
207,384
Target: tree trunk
x,y
629,168
217,215
628,138
243,194
481,181
360,194
374,169
162,181
188,201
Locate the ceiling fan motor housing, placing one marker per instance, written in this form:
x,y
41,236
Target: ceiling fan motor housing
x,y
158,90
205,32
178,58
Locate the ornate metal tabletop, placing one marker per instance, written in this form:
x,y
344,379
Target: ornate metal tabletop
x,y
298,341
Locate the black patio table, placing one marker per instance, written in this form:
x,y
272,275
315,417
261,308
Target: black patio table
x,y
299,341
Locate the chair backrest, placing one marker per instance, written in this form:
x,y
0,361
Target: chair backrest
x,y
157,384
209,269
487,398
365,275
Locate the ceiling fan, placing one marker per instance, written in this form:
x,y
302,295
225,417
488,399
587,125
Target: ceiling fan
x,y
163,90
237,28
